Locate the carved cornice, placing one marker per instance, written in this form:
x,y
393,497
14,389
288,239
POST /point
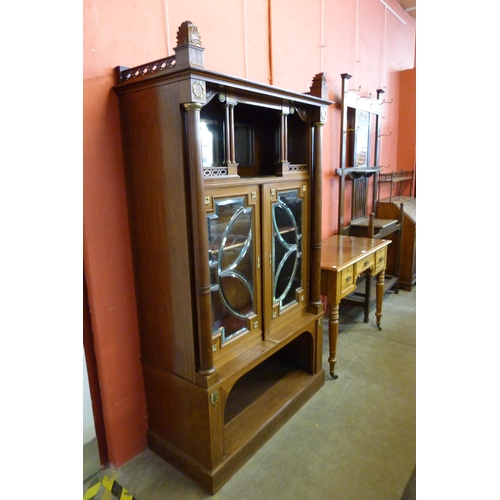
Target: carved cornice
x,y
189,53
319,88
125,74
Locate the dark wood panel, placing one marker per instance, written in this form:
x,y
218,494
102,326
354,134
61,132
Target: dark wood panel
x,y
408,269
159,230
180,412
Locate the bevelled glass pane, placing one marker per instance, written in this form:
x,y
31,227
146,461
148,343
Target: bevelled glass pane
x,y
287,247
231,265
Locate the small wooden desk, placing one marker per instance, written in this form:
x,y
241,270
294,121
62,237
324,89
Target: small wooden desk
x,y
343,260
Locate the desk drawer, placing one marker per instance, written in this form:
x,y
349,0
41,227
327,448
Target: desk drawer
x,y
365,263
380,260
347,281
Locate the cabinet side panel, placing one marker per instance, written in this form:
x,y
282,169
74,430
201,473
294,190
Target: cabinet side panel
x,y
389,211
178,412
407,273
153,156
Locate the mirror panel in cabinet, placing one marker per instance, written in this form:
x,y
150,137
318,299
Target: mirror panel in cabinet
x,y
244,134
257,151
298,144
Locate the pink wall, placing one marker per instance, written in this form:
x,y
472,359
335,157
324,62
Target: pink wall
x,y
267,41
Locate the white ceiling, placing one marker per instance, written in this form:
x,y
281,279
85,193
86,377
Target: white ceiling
x,y
409,6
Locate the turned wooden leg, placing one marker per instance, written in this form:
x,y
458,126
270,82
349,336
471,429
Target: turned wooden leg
x,y
380,296
368,285
333,333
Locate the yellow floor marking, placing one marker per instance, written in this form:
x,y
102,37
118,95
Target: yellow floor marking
x,y
92,491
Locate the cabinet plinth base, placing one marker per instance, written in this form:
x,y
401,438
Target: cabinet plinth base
x,y
407,285
213,479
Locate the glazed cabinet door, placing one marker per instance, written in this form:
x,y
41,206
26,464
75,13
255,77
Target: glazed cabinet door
x,y
285,249
233,221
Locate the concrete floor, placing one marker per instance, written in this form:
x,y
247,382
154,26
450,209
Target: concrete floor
x,y
354,440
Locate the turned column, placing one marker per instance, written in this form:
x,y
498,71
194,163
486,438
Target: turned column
x,y
230,151
284,138
380,297
200,240
333,333
378,128
319,89
316,220
342,161
283,163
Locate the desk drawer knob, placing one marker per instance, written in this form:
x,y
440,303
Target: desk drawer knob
x,y
348,279
381,259
366,262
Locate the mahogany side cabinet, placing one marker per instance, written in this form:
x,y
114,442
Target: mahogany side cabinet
x,y
223,180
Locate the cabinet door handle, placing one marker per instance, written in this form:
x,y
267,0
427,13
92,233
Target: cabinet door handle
x,y
270,259
258,262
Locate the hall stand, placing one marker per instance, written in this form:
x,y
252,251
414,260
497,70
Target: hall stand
x,y
358,112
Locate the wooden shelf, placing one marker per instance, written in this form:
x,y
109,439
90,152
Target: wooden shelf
x,y
259,394
397,177
356,172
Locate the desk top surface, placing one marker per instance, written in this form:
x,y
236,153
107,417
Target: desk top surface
x,y
340,251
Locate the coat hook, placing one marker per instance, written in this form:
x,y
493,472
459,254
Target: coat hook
x,y
386,102
385,135
385,166
364,96
353,90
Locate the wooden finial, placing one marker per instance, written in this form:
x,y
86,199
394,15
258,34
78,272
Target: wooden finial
x,y
319,88
188,34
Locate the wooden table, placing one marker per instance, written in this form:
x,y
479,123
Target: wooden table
x,y
343,260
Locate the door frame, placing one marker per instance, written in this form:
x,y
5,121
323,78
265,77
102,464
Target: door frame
x,y
93,375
